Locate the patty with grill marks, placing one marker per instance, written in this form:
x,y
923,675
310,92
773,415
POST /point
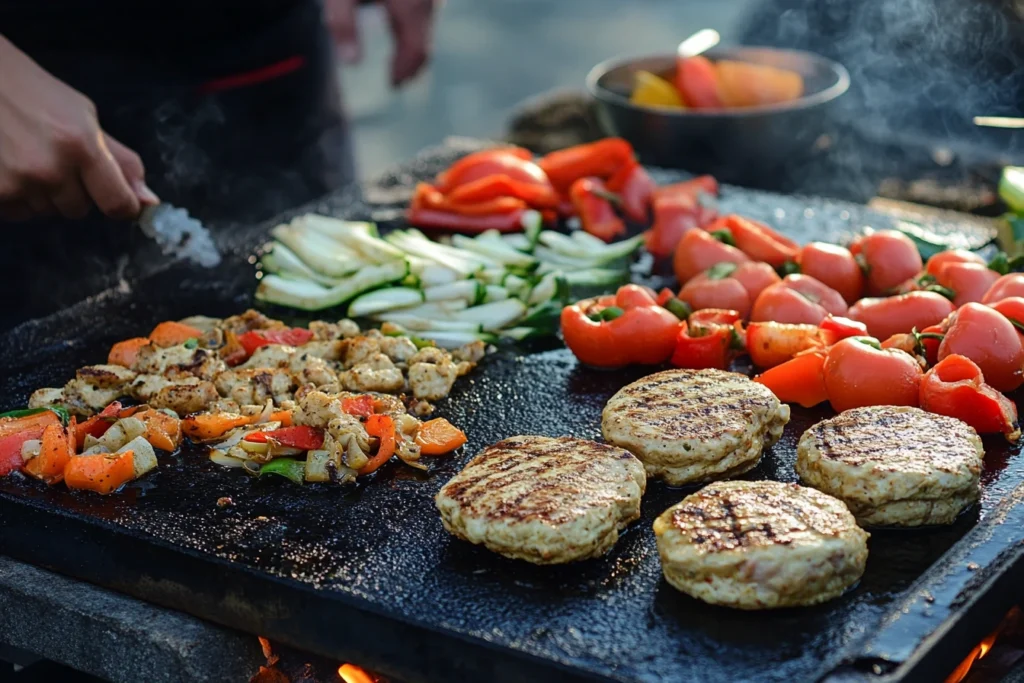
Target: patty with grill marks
x,y
694,425
894,465
543,500
760,545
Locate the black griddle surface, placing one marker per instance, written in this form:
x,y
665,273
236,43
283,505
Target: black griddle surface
x,y
369,573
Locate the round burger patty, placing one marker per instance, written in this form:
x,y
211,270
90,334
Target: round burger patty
x,y
694,425
760,545
894,465
543,500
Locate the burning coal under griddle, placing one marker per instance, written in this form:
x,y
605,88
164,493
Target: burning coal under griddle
x,y
368,575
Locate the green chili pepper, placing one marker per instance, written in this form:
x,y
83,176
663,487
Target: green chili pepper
x,y
288,468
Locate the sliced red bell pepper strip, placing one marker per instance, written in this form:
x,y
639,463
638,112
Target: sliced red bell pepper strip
x,y
361,406
255,339
597,216
599,159
297,436
427,197
636,188
956,387
494,187
800,380
382,427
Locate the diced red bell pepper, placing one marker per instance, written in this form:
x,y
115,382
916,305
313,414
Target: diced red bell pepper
x,y
255,339
800,380
10,449
296,436
635,188
597,216
358,405
956,387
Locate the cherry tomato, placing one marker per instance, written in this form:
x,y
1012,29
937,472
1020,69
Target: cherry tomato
x,y
859,372
951,256
698,251
835,266
797,299
755,277
508,162
709,291
1005,287
969,281
770,344
891,315
889,258
757,240
985,336
697,81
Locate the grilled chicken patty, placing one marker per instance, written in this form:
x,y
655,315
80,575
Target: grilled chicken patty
x,y
543,500
760,545
894,465
694,425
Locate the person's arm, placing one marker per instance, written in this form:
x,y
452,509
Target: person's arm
x,y
54,157
411,24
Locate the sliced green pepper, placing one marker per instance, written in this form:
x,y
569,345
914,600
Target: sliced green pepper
x,y
289,468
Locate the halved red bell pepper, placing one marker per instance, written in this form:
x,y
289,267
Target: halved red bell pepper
x,y
800,380
255,339
635,188
757,240
770,344
956,387
296,436
599,159
358,405
597,216
627,329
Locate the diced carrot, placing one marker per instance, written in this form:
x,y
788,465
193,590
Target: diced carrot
x,y
382,427
799,380
171,333
126,352
439,436
206,426
102,473
58,447
13,425
163,431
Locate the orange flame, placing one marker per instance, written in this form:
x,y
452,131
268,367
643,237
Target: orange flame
x,y
350,673
982,648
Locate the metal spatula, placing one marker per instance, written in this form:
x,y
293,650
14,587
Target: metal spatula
x,y
179,234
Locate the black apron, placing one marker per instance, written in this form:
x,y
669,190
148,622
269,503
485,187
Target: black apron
x,y
234,109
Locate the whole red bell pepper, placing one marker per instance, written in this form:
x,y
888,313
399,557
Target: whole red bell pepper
x,y
296,436
595,210
599,159
627,329
255,339
956,387
635,188
701,345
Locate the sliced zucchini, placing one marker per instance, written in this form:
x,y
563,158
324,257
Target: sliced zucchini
x,y
467,290
588,241
493,316
517,241
310,296
282,260
543,316
596,277
533,224
415,323
551,286
356,235
494,293
464,263
435,310
495,249
384,300
453,340
431,273
522,333
320,253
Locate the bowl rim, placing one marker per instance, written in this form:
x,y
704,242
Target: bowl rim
x,y
841,85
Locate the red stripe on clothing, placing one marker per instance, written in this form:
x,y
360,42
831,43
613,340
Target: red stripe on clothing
x,y
247,78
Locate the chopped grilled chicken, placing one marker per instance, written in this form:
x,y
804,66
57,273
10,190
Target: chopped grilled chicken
x,y
432,374
94,387
178,362
388,404
225,405
312,370
270,356
420,408
105,376
43,398
328,350
250,320
473,352
376,373
187,396
360,349
430,354
398,349
325,331
316,408
343,425
255,385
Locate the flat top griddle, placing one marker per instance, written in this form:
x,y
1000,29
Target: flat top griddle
x,y
368,573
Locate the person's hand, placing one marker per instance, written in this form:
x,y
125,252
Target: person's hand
x,y
54,157
411,27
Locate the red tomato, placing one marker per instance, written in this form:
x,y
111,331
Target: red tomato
x,y
969,281
488,163
1005,287
755,277
858,372
770,344
835,266
797,299
990,340
889,257
697,82
887,316
951,256
698,251
708,290
757,240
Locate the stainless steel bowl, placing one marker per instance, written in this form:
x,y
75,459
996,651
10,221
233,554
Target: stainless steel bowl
x,y
746,146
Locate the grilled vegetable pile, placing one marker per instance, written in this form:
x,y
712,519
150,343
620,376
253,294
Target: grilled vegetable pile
x,y
486,287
